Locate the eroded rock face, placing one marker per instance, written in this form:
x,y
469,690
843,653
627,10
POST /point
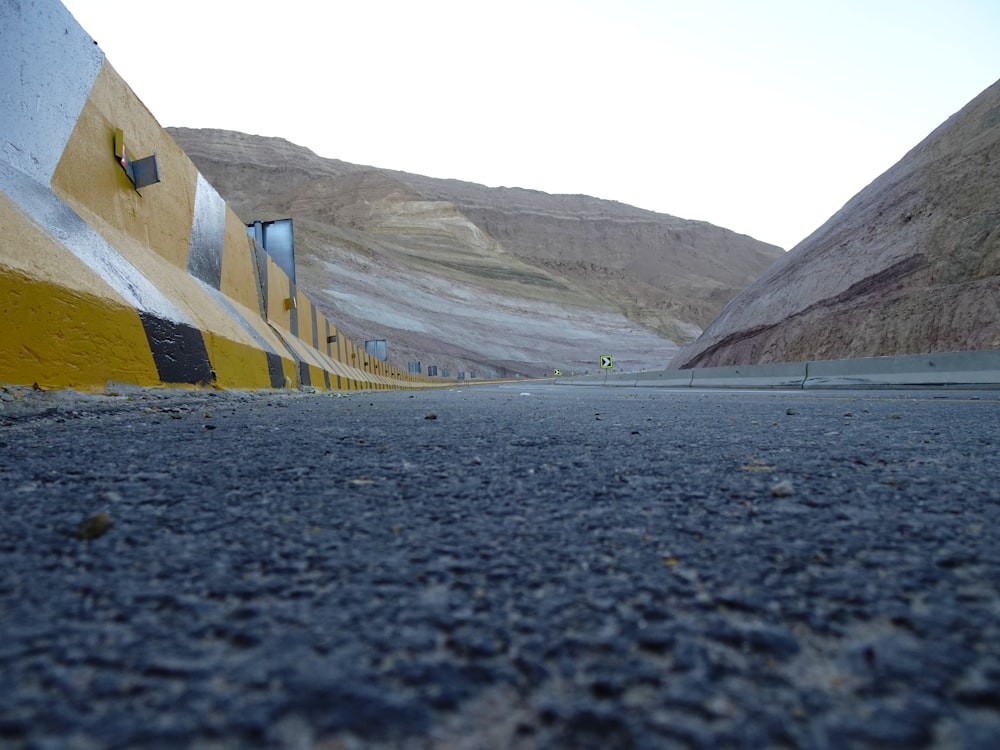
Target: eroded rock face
x,y
910,265
482,278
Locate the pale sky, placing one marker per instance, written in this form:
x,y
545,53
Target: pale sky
x,y
761,116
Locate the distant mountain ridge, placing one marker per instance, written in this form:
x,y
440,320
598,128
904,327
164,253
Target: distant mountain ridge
x,y
910,265
483,278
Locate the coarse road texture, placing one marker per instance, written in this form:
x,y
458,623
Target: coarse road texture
x,y
525,566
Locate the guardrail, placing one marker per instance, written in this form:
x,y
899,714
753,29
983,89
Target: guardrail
x,y
957,370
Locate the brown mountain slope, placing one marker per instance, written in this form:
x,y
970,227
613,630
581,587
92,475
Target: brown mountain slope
x,y
477,278
910,265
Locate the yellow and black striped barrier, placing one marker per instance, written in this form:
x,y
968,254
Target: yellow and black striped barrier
x,y
119,262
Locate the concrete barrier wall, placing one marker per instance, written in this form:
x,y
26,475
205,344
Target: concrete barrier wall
x,y
665,378
102,282
758,376
972,370
661,378
944,369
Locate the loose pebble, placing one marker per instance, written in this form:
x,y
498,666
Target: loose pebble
x,y
783,488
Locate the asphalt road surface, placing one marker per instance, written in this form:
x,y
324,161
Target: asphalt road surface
x,y
525,566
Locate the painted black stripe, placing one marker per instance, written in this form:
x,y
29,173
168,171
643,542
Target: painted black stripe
x,y
178,351
274,370
304,378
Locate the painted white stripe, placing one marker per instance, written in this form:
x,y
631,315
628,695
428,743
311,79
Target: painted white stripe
x,y
51,215
48,65
234,313
208,232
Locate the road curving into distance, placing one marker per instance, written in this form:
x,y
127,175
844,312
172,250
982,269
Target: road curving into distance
x,y
525,566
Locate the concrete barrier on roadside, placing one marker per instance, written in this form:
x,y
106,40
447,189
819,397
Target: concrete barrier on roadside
x,y
941,370
579,380
119,262
788,375
654,378
665,378
957,370
620,379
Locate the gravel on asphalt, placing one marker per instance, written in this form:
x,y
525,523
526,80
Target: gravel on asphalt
x,y
520,566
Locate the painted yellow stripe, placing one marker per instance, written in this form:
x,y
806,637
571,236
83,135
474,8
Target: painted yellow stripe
x,y
63,326
239,280
158,218
60,314
236,364
61,338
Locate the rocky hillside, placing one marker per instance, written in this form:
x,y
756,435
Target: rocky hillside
x,y
910,265
481,279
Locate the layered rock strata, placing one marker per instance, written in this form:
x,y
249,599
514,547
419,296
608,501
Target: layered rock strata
x,y
910,265
483,279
